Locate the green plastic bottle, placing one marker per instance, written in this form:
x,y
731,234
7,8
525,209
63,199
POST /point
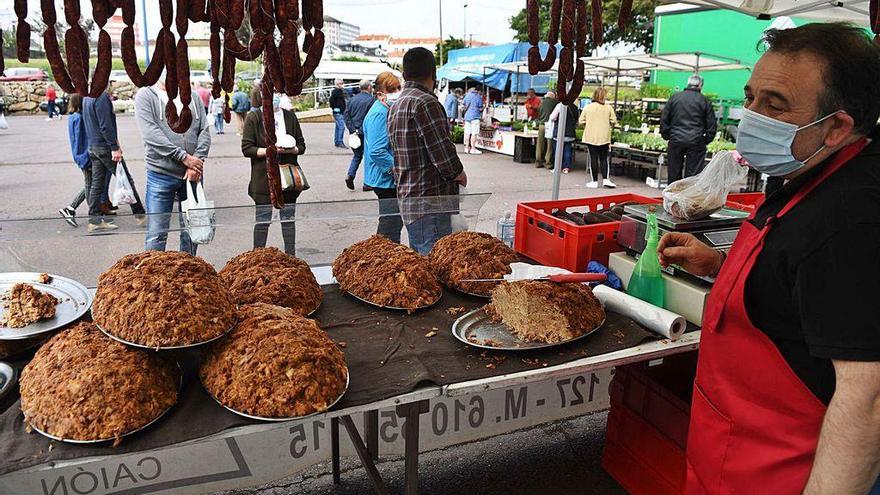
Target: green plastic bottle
x,y
646,282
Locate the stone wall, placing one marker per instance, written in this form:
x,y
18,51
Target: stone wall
x,y
25,97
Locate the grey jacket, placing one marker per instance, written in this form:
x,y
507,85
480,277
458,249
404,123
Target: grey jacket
x,y
164,149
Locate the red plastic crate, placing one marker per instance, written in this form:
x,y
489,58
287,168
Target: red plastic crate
x,y
556,242
745,201
646,438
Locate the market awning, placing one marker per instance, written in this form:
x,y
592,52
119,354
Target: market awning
x,y
677,62
481,64
855,11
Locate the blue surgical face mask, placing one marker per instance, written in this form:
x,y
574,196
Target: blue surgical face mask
x,y
765,143
276,102
392,97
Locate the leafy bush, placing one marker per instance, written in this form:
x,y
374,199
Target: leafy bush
x,y
646,142
720,144
458,135
651,90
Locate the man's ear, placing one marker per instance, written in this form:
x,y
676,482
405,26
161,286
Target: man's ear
x,y
842,125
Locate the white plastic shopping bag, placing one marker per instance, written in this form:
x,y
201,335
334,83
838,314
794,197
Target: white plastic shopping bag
x,y
198,214
3,123
121,192
697,197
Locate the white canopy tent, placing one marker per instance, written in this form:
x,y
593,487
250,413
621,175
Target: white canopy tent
x,y
855,11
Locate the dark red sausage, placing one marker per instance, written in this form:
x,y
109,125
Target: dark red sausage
x,y
227,112
566,71
47,7
71,12
170,49
128,12
272,63
597,22
166,12
314,56
21,9
292,9
281,13
549,59
317,13
568,27
533,19
216,62
577,83
273,174
178,123
236,13
183,72
181,17
581,22
101,11
102,69
291,62
130,59
53,53
227,79
23,41
534,60
74,41
626,7
555,20
198,11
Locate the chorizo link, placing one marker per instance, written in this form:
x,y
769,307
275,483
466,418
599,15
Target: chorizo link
x,y
625,14
273,66
23,41
169,47
317,13
228,77
183,72
178,123
281,14
533,20
568,26
53,54
21,9
534,60
101,11
166,13
565,73
581,41
128,12
101,77
291,62
292,9
215,64
47,7
577,84
74,39
241,52
130,59
227,112
555,19
549,59
314,56
273,174
597,22
181,17
197,11
307,42
236,13
71,12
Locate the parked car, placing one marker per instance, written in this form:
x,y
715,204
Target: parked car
x,y
119,76
200,76
25,74
248,76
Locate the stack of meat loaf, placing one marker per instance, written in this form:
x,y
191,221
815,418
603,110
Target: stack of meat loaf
x,y
471,255
275,364
163,299
267,275
82,385
548,312
387,274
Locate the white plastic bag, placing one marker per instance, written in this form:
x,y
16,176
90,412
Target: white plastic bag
x,y
354,141
121,192
699,196
3,123
198,213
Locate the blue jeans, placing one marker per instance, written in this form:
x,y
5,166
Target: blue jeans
x,y
50,108
567,152
162,191
218,123
356,161
426,231
339,133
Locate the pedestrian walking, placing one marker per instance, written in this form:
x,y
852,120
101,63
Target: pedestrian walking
x,y
337,103
104,154
427,169
379,157
216,108
253,146
354,120
79,148
570,135
451,105
240,105
598,119
51,96
688,123
473,112
174,162
544,151
203,92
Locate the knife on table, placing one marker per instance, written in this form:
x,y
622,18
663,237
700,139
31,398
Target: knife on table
x,y
568,278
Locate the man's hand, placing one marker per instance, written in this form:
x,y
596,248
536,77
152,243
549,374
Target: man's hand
x,y
689,253
462,179
192,175
193,163
288,151
117,155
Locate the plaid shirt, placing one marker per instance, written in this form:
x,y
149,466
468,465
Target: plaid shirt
x,y
425,160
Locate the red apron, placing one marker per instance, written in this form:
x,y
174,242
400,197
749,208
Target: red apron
x,y
754,424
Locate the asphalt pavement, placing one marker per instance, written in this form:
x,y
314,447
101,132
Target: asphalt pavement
x,y
38,176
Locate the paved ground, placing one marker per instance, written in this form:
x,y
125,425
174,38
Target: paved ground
x,y
37,177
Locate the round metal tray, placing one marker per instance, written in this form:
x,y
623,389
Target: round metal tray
x,y
472,294
165,348
395,308
74,300
479,325
8,376
278,420
106,440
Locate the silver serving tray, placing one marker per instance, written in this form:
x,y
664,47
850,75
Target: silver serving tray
x,y
8,377
278,420
473,294
106,440
74,301
165,348
479,325
393,307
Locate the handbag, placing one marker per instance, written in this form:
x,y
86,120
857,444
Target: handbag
x,y
293,178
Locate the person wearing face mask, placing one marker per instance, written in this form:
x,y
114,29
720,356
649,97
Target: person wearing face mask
x,y
787,391
253,146
379,159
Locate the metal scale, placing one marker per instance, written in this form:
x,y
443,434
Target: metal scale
x,y
719,230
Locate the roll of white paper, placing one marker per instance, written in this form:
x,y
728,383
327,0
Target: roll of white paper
x,y
657,320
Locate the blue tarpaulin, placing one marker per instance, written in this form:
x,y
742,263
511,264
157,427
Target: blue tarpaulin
x,y
470,63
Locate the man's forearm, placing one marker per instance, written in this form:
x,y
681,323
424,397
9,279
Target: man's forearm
x,y
848,455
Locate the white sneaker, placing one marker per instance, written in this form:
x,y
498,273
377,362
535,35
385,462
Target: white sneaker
x,y
593,185
101,227
607,183
476,152
48,119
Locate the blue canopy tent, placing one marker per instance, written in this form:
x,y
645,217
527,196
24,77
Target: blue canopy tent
x,y
475,65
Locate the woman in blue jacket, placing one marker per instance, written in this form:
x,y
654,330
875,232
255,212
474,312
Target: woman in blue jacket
x,y
79,148
378,157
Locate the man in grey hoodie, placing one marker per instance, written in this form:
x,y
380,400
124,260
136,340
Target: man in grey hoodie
x,y
174,162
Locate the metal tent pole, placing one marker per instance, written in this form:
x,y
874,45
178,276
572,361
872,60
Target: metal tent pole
x,y
146,34
616,84
516,102
560,146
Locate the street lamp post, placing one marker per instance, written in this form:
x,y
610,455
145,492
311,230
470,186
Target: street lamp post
x,y
146,33
464,34
441,31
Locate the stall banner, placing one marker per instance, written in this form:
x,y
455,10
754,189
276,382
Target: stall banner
x,y
503,142
258,454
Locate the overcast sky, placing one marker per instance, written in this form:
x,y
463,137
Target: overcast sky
x,y
487,20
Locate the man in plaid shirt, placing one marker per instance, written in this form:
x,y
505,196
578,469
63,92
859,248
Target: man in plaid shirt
x,y
427,169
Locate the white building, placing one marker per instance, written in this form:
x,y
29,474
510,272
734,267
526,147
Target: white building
x,y
339,32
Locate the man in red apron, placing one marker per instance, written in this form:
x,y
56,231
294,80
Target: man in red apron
x,y
787,394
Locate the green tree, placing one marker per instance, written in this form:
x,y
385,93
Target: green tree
x,y
451,43
639,32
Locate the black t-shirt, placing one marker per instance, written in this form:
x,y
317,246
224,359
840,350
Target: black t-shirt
x,y
815,287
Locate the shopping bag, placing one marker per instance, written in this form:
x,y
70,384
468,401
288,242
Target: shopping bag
x,y
198,215
121,192
550,130
211,118
293,178
354,141
697,197
3,123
